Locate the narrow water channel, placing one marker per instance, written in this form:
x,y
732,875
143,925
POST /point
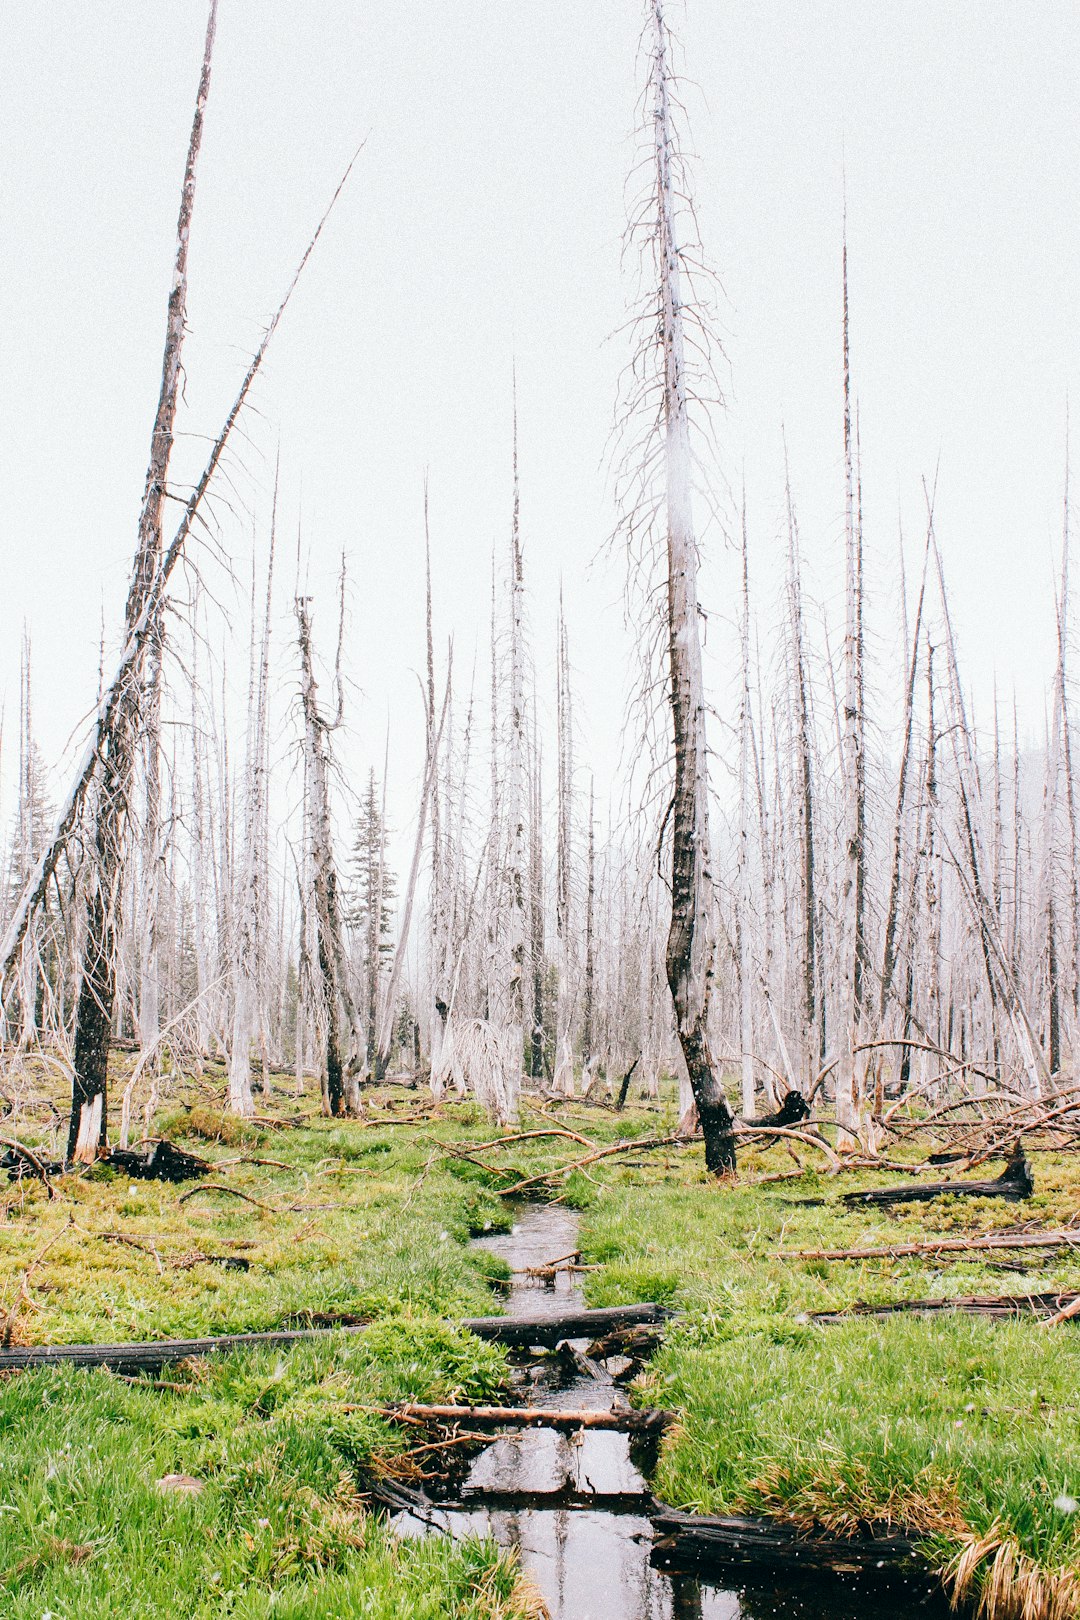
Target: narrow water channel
x,y
576,1506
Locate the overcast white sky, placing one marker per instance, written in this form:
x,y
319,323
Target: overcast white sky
x,y
483,222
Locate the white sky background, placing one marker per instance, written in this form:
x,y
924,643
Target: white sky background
x,y
483,222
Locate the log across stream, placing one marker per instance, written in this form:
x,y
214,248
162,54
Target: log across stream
x,y
578,1507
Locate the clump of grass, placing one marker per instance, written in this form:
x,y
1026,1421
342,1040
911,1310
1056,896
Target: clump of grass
x,y
205,1124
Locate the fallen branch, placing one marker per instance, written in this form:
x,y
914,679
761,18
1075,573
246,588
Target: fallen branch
x,y
20,1151
1066,1314
233,1192
900,1251
591,1158
1051,1307
1014,1183
649,1421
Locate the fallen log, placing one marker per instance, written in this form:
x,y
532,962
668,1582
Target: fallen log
x,y
696,1541
648,1421
548,1330
1044,1307
153,1355
166,1162
1063,1239
1014,1183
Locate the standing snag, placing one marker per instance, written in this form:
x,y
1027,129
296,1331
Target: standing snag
x,y
660,372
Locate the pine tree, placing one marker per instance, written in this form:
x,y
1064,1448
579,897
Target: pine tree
x,y
374,887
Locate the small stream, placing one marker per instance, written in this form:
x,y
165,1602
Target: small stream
x,y
576,1507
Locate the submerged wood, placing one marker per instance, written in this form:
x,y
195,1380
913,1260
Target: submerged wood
x,y
690,1540
151,1356
1042,1306
530,1417
548,1330
1015,1183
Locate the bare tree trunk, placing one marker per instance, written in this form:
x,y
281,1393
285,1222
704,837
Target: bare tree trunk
x,y
853,891
116,751
589,991
690,946
333,967
742,892
564,1052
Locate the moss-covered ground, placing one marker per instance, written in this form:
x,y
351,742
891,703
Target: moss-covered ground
x,y
962,1428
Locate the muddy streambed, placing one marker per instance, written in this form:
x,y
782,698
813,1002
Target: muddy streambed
x,y
576,1507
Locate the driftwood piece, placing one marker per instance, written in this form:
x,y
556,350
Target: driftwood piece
x,y
1063,1239
1014,1183
548,1330
649,1421
1043,1307
697,1541
152,1356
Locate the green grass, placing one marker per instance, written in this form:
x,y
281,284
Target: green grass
x,y
277,1528
963,1429
958,1427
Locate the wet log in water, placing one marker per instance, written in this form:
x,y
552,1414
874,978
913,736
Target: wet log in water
x,y
1014,1183
548,1330
696,1541
649,1421
1041,1307
153,1355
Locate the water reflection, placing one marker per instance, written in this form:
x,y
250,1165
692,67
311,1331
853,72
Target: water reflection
x,y
574,1506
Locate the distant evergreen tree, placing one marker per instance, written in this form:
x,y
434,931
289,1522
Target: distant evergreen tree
x,y
374,887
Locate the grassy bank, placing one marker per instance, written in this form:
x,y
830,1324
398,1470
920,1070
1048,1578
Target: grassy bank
x,y
962,1428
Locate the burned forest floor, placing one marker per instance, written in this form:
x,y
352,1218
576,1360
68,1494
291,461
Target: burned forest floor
x,y
240,1484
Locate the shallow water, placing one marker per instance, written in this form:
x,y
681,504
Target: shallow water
x,y
575,1506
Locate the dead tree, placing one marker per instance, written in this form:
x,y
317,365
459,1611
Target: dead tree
x,y
853,888
252,910
117,746
663,393
342,1025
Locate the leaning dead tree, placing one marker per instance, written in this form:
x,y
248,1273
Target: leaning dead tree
x,y
93,817
107,811
657,492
